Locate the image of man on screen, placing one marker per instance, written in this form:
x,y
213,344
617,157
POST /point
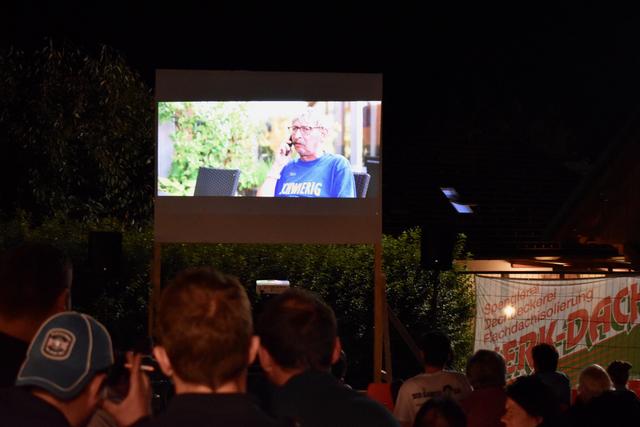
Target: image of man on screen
x,y
314,173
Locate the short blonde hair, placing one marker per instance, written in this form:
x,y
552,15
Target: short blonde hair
x,y
593,381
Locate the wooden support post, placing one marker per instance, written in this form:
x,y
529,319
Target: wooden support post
x,y
405,336
156,271
378,310
388,367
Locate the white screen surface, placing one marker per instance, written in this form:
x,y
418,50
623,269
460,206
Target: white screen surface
x,y
238,121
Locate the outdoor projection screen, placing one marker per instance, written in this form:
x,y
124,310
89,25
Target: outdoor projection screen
x,y
219,132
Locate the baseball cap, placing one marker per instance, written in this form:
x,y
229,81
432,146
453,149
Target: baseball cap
x,y
69,349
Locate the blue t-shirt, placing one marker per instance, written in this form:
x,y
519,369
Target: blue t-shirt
x,y
327,176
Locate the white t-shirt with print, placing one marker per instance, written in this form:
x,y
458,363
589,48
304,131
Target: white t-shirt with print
x,y
417,390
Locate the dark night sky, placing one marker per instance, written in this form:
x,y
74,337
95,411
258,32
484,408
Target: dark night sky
x,y
561,80
574,63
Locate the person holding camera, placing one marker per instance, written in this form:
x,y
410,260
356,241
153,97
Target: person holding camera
x,y
61,381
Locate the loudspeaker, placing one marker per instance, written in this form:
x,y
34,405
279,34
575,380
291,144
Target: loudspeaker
x,y
436,247
105,252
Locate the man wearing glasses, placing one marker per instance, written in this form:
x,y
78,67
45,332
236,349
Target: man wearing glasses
x,y
314,173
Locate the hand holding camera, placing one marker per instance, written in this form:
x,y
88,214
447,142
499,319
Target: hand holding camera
x,y
136,403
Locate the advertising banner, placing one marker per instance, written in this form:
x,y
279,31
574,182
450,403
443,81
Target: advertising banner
x,y
587,320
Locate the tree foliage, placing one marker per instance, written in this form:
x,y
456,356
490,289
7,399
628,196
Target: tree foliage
x,y
119,302
77,135
409,294
212,134
77,143
341,274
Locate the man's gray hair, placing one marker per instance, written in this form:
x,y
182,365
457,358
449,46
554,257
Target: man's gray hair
x,y
593,381
314,117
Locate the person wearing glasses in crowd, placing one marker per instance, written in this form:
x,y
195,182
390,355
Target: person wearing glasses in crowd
x,y
313,173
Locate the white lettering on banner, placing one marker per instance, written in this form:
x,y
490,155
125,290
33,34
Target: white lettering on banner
x,y
512,316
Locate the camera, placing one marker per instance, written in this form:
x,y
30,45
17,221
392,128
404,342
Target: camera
x,y
116,384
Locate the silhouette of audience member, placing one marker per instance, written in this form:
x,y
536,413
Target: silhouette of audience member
x,y
545,365
435,381
612,409
34,284
298,344
593,381
618,371
440,412
599,404
486,371
59,384
205,345
529,403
